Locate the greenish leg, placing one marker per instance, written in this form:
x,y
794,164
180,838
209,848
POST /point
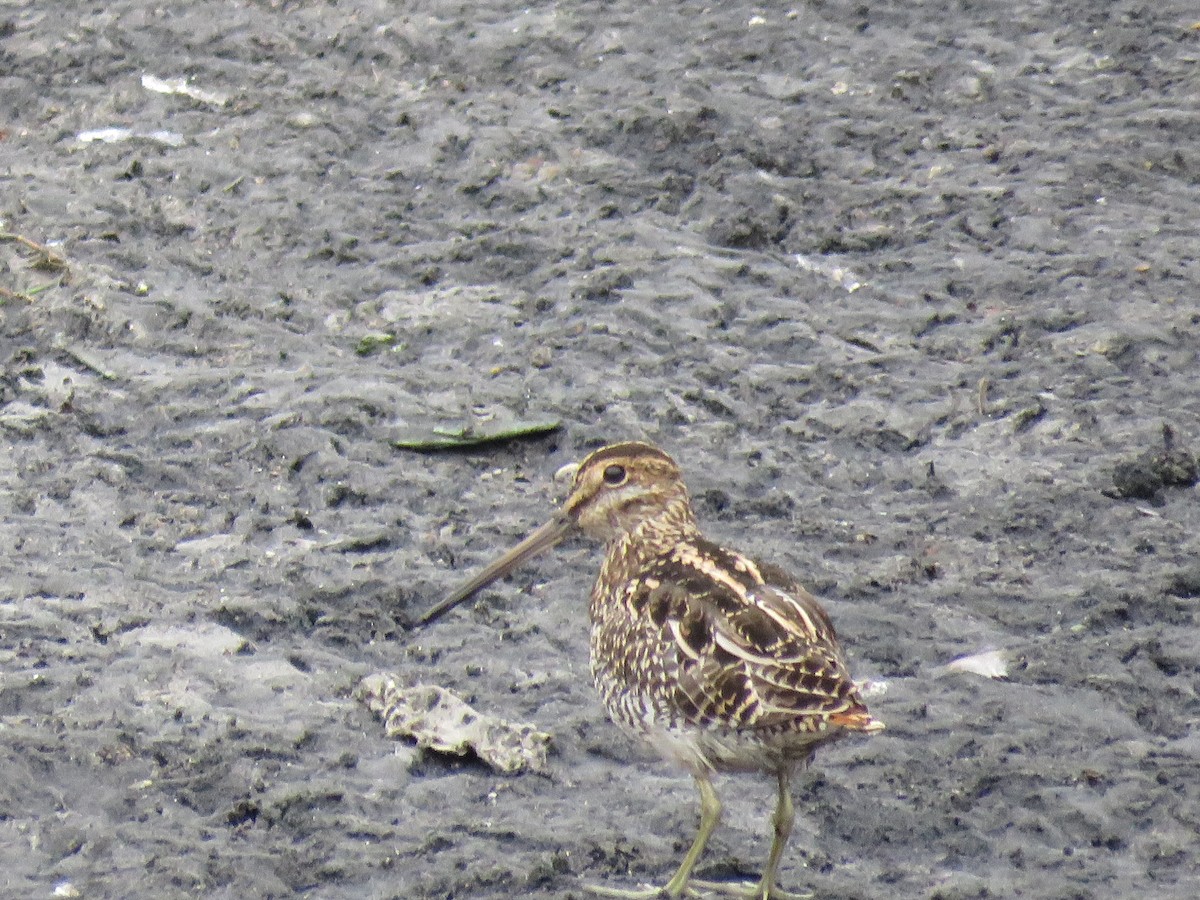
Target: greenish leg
x,y
781,825
785,816
781,822
710,815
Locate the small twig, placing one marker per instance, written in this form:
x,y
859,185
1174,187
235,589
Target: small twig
x,y
8,294
48,259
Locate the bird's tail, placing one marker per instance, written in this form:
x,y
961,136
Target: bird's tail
x,y
857,720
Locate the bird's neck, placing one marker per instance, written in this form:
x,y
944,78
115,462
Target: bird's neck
x,y
629,551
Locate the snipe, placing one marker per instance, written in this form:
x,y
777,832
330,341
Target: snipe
x,y
719,662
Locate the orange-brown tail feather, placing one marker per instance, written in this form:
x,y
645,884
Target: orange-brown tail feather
x,y
858,720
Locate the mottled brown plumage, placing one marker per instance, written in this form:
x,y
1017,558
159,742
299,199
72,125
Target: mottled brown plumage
x,y
721,663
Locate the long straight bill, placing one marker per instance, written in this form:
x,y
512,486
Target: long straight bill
x,y
546,536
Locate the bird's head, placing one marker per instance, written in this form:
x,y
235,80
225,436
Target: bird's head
x,y
623,486
614,491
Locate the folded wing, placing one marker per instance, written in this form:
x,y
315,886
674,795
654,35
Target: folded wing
x,y
754,650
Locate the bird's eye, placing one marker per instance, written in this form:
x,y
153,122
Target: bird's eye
x,y
614,475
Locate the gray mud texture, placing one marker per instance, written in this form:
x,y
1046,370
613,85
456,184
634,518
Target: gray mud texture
x,y
911,291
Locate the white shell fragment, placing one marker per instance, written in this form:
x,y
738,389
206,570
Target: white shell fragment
x,y
116,135
871,688
843,278
439,720
989,664
181,86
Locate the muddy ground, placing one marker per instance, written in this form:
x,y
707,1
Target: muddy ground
x,y
908,288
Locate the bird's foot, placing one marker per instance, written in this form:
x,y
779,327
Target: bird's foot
x,y
696,890
743,890
603,890
699,890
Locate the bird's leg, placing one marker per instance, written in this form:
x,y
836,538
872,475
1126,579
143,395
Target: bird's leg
x,y
781,825
710,815
781,822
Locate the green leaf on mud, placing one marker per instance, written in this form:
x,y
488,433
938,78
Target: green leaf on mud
x,y
369,343
457,437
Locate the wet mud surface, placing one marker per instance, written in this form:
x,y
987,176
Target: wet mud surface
x,y
909,290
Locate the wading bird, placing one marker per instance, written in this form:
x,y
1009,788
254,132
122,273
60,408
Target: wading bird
x,y
720,663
